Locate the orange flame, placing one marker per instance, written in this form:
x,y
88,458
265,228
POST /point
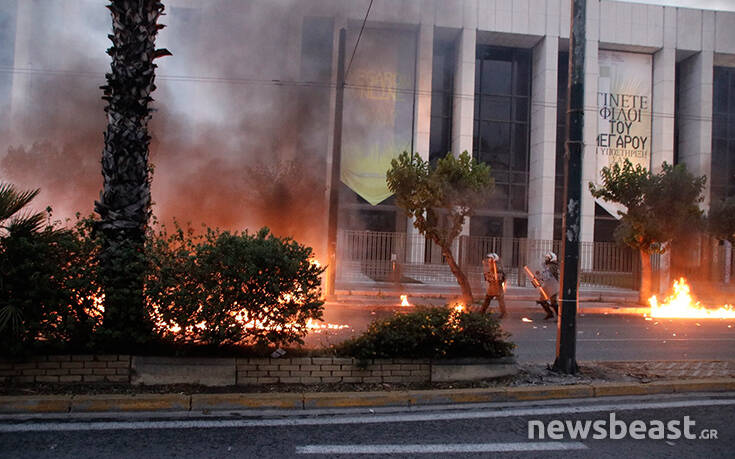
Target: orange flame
x,y
312,326
404,300
681,304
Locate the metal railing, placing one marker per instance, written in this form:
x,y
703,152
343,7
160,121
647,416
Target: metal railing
x,y
411,258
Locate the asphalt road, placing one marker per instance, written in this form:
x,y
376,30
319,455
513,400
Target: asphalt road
x,y
599,337
452,431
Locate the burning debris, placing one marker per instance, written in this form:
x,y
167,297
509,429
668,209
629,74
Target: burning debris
x,y
404,301
681,304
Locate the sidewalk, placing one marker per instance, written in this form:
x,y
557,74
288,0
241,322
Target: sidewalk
x,y
596,380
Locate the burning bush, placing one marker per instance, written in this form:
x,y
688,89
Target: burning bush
x,y
227,288
430,333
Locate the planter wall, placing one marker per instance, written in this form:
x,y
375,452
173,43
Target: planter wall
x,y
68,369
247,371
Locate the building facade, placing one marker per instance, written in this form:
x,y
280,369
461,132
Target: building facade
x,y
437,76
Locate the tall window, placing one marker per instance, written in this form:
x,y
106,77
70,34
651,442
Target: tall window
x,y
442,91
723,134
502,94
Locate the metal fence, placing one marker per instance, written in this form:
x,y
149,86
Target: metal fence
x,y
369,256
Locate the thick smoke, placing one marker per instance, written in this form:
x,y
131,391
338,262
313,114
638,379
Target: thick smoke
x,y
239,135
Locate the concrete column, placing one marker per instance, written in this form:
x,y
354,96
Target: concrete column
x,y
422,122
543,140
662,139
463,113
422,113
695,116
662,135
464,86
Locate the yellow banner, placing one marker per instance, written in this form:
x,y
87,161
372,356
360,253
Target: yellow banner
x,y
378,110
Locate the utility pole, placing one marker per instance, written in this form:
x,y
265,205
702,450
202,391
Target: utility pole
x,y
566,334
336,167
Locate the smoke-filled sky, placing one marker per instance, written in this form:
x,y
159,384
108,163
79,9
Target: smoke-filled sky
x,y
241,127
231,146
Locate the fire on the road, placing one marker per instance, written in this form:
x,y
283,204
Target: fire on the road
x,y
681,304
404,300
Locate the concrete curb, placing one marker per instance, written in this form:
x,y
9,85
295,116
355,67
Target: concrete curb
x,y
309,400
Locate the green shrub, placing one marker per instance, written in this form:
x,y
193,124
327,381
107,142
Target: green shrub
x,y
224,288
47,288
431,333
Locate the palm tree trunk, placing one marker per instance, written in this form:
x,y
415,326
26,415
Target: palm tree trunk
x,y
125,201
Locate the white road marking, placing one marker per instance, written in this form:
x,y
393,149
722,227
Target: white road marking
x,y
631,339
440,448
337,420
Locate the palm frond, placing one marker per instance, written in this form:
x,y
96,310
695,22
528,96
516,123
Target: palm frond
x,y
12,200
10,316
26,223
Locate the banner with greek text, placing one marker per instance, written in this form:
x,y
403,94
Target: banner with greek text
x,y
378,109
624,113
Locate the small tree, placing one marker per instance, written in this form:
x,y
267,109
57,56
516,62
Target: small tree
x,y
721,225
659,207
721,219
440,198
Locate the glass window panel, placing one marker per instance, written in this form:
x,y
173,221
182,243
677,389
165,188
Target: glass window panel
x,y
437,137
719,149
486,226
495,108
719,173
520,109
731,91
496,77
437,104
719,126
721,84
501,176
521,74
518,197
520,147
520,227
519,177
499,198
478,75
495,144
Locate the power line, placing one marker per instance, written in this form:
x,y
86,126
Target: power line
x,y
358,39
409,92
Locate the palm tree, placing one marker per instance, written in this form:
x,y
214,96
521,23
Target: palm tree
x,y
12,203
125,201
14,221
